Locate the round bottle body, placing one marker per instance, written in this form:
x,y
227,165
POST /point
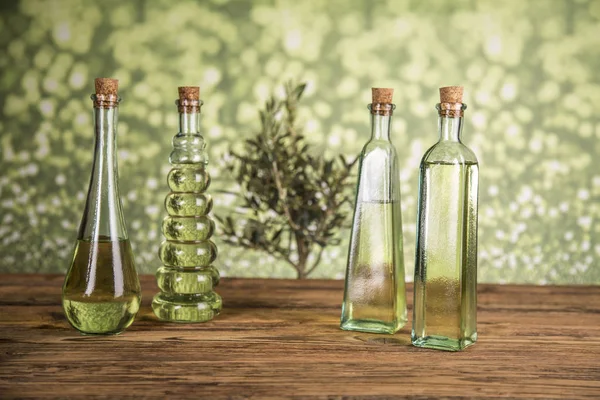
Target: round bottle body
x,y
187,277
101,293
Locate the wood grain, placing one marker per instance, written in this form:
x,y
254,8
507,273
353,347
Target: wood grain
x,y
280,339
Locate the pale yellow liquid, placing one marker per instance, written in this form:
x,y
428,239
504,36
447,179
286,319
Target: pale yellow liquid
x,y
101,315
101,294
375,299
446,261
187,277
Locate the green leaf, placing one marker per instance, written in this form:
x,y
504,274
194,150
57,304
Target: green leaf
x,y
299,91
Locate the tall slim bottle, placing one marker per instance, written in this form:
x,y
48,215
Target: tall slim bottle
x,y
188,277
445,302
101,293
374,296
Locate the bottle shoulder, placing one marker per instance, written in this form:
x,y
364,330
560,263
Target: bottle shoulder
x,y
188,148
451,153
379,147
379,173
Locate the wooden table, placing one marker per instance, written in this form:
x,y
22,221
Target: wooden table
x,y
280,338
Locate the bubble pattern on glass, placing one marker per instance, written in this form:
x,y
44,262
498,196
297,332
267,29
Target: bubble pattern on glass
x,y
187,277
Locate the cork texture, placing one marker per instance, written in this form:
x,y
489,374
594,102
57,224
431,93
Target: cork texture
x,y
189,93
382,95
106,86
451,94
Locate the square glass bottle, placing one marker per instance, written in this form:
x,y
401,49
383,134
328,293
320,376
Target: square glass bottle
x,y
445,294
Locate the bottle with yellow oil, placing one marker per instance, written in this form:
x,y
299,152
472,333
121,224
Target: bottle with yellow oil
x,y
374,296
445,294
188,277
101,293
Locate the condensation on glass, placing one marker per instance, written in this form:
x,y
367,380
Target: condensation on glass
x,y
445,294
374,295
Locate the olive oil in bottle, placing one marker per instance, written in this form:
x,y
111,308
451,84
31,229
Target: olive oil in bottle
x,y
374,297
187,277
374,255
445,297
111,305
101,293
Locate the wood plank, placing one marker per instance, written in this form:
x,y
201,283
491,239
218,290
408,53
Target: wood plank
x,y
280,338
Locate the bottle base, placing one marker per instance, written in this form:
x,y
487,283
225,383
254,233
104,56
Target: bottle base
x,y
443,343
114,333
101,317
187,308
371,326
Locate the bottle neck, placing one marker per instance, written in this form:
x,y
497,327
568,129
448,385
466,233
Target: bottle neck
x,y
450,128
103,216
105,122
189,122
380,127
188,143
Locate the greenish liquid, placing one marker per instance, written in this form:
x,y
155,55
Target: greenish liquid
x,y
375,300
185,204
187,254
187,277
445,306
102,316
187,280
187,294
187,308
188,179
188,228
101,294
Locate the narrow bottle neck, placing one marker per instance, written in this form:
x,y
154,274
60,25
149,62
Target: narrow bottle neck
x,y
188,143
189,122
380,127
450,128
105,123
103,216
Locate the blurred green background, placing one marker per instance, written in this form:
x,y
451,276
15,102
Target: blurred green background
x,y
530,71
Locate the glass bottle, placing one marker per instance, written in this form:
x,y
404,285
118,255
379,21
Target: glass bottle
x,y
101,293
374,296
187,278
445,295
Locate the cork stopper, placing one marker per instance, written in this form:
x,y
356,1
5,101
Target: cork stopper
x,y
451,94
382,95
189,93
106,86
189,99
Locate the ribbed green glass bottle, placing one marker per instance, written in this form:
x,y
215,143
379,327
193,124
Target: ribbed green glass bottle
x,y
187,278
374,296
445,297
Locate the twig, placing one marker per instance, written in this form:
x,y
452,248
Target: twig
x,y
275,194
283,197
316,262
